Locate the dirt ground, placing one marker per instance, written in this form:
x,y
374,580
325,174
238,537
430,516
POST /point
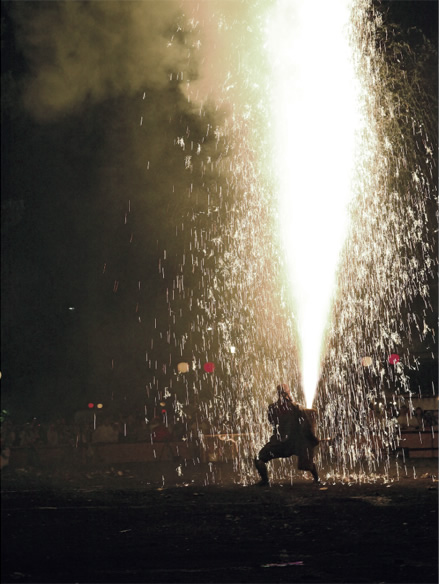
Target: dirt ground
x,y
146,523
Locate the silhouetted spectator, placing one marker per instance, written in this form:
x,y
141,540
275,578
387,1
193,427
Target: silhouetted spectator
x,y
52,435
140,431
8,438
29,437
106,433
159,432
403,417
417,421
179,430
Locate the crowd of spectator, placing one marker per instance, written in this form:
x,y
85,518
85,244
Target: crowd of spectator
x,y
87,428
106,429
419,420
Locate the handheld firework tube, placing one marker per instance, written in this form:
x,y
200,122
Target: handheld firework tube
x,y
312,416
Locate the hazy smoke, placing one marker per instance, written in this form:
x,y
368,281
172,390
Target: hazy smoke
x,y
81,52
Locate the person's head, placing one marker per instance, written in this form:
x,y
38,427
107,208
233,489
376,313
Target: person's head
x,y
284,392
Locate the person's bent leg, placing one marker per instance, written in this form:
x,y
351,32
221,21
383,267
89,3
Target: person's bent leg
x,y
269,452
314,473
265,454
262,471
305,462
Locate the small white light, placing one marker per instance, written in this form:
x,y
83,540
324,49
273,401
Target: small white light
x,y
232,349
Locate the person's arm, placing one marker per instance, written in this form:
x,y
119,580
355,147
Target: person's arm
x,y
271,415
309,433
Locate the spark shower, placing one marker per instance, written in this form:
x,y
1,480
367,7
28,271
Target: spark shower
x,y
310,174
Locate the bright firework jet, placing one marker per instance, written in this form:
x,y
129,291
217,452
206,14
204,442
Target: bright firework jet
x,y
317,122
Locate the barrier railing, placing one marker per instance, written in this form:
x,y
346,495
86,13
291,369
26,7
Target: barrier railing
x,y
211,448
419,444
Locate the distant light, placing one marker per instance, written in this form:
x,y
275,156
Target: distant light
x,y
71,308
233,349
367,361
99,406
209,328
393,359
183,367
209,367
90,405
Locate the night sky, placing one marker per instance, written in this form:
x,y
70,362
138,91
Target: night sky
x,y
87,191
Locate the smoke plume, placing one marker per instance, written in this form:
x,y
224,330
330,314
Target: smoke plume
x,y
80,53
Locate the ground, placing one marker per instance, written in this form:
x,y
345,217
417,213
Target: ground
x,y
147,523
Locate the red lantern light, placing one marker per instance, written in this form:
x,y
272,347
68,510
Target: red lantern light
x,y
393,359
209,367
90,405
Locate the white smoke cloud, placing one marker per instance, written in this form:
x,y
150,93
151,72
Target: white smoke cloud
x,y
88,51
